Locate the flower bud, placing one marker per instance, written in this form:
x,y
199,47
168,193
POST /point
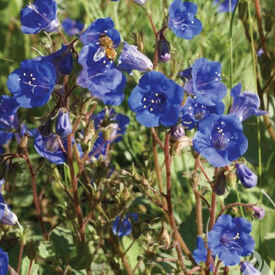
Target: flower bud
x,y
220,183
63,124
248,269
132,59
164,50
258,212
6,215
177,132
246,176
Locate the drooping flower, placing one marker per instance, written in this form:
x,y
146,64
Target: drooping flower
x,y
4,262
258,212
132,59
41,15
63,125
246,176
229,239
206,83
32,83
245,104
8,110
49,148
200,253
6,215
220,139
193,112
123,226
72,27
156,100
102,26
224,5
248,269
182,20
101,77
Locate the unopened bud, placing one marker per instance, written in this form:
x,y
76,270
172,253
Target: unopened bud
x,y
177,132
7,216
163,49
220,183
63,125
258,212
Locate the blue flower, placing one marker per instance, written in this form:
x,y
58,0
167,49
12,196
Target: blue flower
x,y
8,110
205,83
192,112
63,125
32,83
49,148
200,253
248,269
102,26
6,215
229,239
186,74
99,147
224,6
246,176
123,226
5,137
245,104
101,77
4,262
72,27
220,139
132,59
62,60
156,100
182,20
41,15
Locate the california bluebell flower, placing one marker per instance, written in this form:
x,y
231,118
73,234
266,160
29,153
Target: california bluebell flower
x,y
224,5
63,125
186,74
32,83
220,139
132,59
229,239
200,253
182,20
246,176
193,112
102,26
49,148
41,15
8,110
206,83
62,60
99,147
101,77
245,104
5,137
258,212
123,226
6,215
4,262
156,100
72,27
248,269
163,49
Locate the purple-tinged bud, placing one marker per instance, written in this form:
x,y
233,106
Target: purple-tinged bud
x,y
248,269
258,212
63,125
177,132
164,50
6,215
141,2
246,176
132,59
220,183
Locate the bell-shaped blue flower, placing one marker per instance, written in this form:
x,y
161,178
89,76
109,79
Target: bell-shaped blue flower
x,y
193,112
8,110
123,226
49,148
220,139
6,215
32,83
72,27
62,60
156,100
63,125
245,104
246,176
224,5
4,262
248,269
182,20
101,77
39,16
132,59
229,239
206,83
102,26
200,253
